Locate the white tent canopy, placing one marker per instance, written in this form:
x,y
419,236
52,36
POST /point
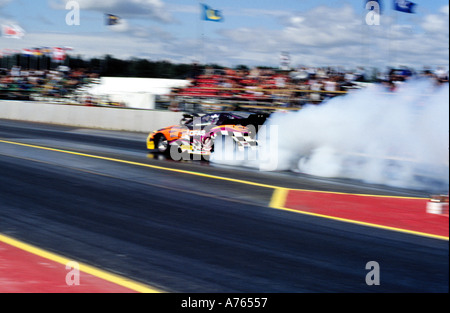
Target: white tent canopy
x,y
136,93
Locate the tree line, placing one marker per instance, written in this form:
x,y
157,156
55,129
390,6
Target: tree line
x,y
111,66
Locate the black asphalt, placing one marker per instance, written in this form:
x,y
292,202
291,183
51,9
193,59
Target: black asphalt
x,y
184,233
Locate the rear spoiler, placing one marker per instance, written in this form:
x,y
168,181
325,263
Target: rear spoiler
x,y
256,119
188,117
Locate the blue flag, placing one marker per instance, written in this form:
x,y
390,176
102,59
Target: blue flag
x,y
112,19
209,14
404,6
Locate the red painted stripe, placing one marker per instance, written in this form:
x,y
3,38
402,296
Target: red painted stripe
x,y
402,213
24,272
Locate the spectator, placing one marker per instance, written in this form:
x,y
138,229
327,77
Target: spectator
x,y
47,83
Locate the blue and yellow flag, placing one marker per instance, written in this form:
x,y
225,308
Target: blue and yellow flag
x,y
209,14
112,19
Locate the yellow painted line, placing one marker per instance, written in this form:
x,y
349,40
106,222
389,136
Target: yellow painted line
x,y
116,279
278,201
240,181
365,223
359,194
278,198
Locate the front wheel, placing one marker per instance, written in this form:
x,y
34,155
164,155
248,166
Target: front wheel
x,y
161,144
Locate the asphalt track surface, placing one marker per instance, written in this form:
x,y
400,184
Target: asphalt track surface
x,y
188,233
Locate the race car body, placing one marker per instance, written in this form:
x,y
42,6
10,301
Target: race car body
x,y
197,134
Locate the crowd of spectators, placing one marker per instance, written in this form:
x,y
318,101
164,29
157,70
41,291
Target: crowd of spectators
x,y
256,86
23,84
269,86
395,77
290,88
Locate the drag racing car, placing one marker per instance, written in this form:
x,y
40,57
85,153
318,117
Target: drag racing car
x,y
197,134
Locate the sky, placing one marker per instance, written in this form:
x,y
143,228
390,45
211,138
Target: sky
x,y
252,32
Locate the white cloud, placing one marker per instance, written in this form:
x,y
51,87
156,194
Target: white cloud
x,y
121,26
322,36
118,45
437,22
4,2
340,36
310,35
152,9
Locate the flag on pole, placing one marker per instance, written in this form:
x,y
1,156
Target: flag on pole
x,y
27,52
209,14
12,31
404,6
46,51
59,54
112,19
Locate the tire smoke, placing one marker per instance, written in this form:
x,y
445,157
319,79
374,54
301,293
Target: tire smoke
x,y
398,139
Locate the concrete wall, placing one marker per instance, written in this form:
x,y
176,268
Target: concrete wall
x,y
90,117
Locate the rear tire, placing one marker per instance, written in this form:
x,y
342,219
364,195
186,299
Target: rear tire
x,y
208,144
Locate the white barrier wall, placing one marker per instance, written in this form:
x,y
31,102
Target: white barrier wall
x,y
137,93
89,117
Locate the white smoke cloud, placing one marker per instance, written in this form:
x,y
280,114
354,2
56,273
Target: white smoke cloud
x,y
397,139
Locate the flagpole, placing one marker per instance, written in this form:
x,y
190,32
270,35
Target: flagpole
x,y
395,40
202,47
207,14
389,36
201,36
391,39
